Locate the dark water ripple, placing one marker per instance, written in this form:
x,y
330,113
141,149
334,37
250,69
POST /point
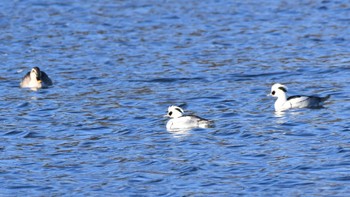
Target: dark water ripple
x,y
118,65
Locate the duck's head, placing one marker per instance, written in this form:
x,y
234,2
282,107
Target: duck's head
x,y
278,90
174,112
35,73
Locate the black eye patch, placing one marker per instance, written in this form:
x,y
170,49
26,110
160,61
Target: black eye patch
x,y
273,92
178,110
283,89
170,113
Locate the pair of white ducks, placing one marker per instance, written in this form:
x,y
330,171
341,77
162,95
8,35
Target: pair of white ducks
x,y
180,121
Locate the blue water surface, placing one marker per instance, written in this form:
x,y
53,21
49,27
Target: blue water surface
x,y
117,66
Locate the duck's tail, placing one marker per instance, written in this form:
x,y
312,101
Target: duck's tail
x,y
206,123
323,99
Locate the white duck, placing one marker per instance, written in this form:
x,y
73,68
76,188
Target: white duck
x,y
180,121
283,102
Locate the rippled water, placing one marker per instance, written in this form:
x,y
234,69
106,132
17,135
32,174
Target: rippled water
x,y
118,65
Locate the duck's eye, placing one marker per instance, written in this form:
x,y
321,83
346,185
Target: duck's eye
x,y
170,113
273,92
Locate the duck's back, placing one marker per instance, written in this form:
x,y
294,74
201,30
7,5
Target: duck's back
x,y
301,101
45,79
188,121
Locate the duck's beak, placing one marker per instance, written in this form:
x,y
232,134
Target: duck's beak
x,y
39,81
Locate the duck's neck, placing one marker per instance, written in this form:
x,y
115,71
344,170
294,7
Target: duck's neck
x,y
281,100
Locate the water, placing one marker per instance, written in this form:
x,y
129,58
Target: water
x,y
118,65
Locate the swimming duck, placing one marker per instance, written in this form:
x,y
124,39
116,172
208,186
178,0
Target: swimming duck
x,y
180,121
36,79
299,101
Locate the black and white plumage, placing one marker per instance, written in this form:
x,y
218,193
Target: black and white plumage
x,y
180,121
283,102
36,79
